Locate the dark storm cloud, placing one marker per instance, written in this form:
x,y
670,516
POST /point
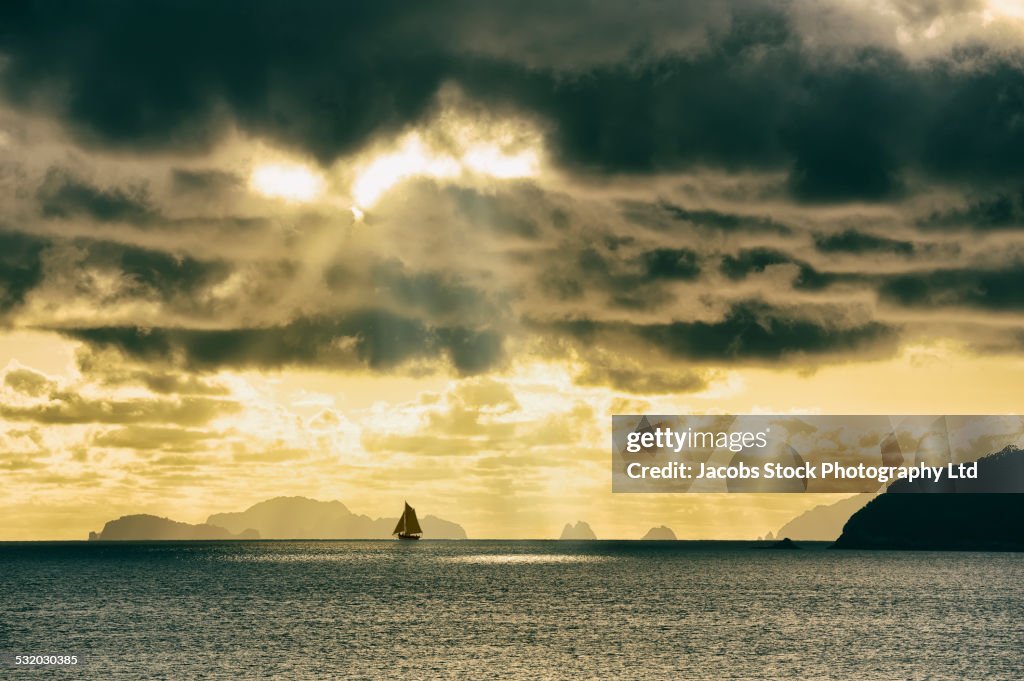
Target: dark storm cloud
x,y
761,333
470,351
163,76
441,296
671,263
144,272
853,241
375,338
993,289
629,280
164,273
726,222
755,260
203,182
749,112
997,212
845,127
614,242
560,286
996,289
847,136
750,331
21,267
329,77
167,275
445,298
974,130
669,217
64,196
494,212
61,195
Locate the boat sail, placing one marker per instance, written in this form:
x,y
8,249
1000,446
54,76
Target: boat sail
x,y
408,527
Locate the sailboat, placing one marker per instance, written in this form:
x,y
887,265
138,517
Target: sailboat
x,y
408,527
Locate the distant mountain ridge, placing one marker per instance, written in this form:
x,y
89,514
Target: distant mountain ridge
x,y
144,527
304,518
278,518
824,522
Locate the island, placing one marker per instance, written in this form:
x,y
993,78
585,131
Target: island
x,y
144,527
303,518
661,533
785,544
579,531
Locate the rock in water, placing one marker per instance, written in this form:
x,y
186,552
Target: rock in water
x,y
580,530
786,544
661,533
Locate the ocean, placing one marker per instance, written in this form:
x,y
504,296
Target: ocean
x,y
512,610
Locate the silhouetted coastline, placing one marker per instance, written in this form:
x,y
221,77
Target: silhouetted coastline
x,y
278,518
917,516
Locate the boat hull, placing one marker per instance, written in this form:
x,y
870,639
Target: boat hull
x,y
410,537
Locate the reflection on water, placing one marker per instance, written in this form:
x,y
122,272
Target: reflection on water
x,y
517,558
306,610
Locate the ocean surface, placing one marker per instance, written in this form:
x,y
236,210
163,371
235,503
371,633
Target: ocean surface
x,y
480,609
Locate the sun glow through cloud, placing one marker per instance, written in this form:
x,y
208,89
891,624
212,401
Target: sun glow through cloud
x,y
1012,9
412,158
501,152
288,181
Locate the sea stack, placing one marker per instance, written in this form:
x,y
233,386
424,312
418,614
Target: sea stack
x,y
661,533
579,531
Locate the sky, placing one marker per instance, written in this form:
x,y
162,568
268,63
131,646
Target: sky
x,y
424,251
